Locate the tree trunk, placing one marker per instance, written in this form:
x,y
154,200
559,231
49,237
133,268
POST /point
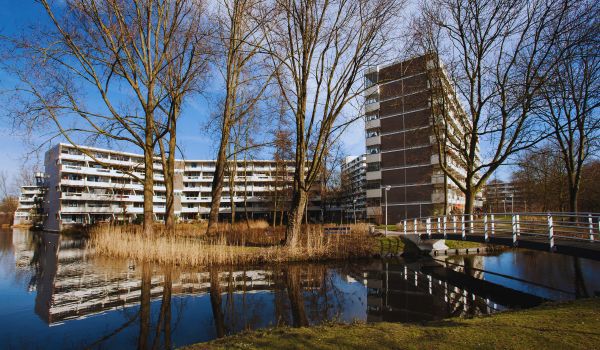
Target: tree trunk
x,y
170,175
148,187
573,194
232,174
217,185
573,181
299,202
469,202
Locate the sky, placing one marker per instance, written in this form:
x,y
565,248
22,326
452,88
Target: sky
x,y
195,142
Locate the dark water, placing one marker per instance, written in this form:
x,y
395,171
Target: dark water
x,y
54,296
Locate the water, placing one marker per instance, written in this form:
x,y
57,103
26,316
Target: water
x,y
54,296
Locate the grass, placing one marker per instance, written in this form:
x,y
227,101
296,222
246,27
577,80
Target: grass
x,y
572,325
389,227
232,246
388,245
452,244
394,245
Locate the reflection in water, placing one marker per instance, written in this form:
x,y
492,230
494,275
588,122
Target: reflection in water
x,y
94,302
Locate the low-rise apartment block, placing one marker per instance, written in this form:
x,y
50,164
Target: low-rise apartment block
x,y
503,197
80,190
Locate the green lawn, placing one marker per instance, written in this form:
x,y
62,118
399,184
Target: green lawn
x,y
388,245
574,325
462,244
390,227
394,245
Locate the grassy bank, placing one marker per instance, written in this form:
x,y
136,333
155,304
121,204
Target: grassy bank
x,y
462,244
573,325
243,244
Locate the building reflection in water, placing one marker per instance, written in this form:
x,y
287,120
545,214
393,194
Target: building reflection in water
x,y
166,306
72,285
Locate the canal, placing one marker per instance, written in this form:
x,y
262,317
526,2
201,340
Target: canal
x,y
55,295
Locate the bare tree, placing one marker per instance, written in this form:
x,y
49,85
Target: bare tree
x,y
108,49
188,66
240,36
6,185
320,49
497,57
282,154
331,190
541,179
572,97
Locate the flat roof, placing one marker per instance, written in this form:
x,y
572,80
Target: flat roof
x,y
178,159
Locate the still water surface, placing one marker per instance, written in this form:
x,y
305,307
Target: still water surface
x,y
52,295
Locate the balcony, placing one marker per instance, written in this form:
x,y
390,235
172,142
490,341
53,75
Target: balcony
x,y
374,193
374,123
373,158
373,89
195,210
373,211
373,141
374,175
91,210
371,107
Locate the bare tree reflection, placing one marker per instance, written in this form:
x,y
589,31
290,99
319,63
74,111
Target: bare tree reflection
x,y
215,302
164,317
293,274
145,306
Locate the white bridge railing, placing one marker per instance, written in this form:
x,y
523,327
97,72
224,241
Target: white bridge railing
x,y
541,227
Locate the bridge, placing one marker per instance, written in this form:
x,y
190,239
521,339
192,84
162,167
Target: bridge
x,y
564,233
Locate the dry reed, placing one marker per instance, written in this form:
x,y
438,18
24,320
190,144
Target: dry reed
x,y
228,248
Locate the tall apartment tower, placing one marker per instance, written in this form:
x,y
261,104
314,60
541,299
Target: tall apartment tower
x,y
402,159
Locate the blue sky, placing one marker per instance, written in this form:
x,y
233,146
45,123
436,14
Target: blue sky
x,y
195,142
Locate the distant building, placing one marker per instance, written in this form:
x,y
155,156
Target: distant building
x,y
401,143
30,211
354,178
78,190
503,197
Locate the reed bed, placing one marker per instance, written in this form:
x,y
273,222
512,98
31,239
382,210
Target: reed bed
x,y
229,247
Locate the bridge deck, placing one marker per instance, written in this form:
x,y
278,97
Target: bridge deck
x,y
582,249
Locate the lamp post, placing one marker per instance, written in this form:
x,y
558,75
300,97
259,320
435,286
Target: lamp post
x,y
512,202
387,188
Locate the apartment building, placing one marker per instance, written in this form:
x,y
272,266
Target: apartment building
x,y
402,159
80,190
31,202
503,197
354,177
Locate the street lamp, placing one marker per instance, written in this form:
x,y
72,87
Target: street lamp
x,y
512,202
354,213
387,188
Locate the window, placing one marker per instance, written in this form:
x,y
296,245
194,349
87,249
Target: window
x,y
371,79
372,99
376,166
373,150
372,132
373,185
372,116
